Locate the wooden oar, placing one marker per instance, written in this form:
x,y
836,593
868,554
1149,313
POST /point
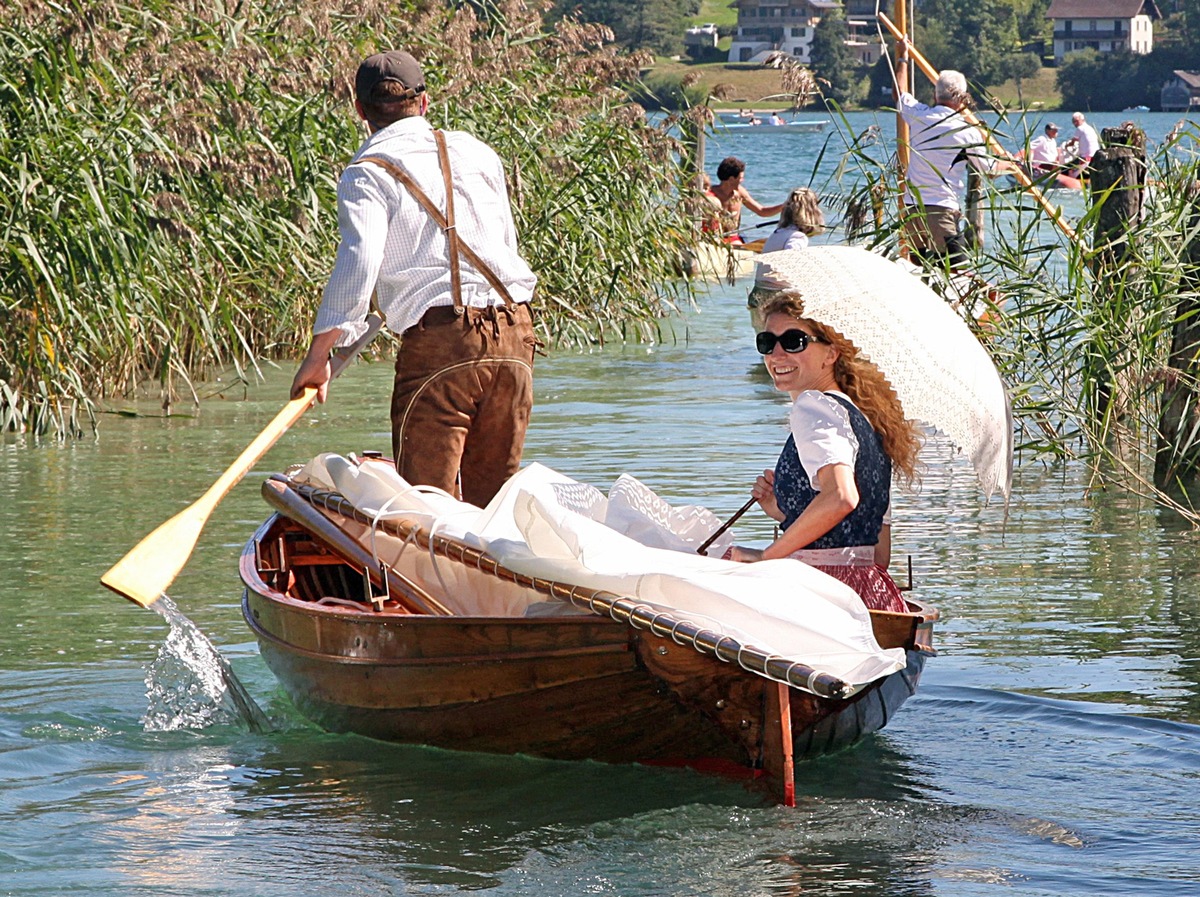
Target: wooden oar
x,y
1023,179
703,549
144,574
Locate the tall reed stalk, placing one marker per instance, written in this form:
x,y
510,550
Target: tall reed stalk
x,y
167,180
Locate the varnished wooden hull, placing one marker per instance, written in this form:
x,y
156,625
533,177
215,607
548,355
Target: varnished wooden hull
x,y
569,687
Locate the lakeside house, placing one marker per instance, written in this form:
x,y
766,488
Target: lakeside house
x,y
1106,26
1181,93
769,27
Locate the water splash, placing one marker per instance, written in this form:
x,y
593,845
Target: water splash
x,y
191,686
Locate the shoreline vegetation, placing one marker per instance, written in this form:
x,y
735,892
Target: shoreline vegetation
x,y
168,185
746,85
169,173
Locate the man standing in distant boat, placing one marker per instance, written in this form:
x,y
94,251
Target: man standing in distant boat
x,y
1087,141
942,144
426,226
1043,151
732,196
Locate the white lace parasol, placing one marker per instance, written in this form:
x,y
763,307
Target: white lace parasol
x,y
942,375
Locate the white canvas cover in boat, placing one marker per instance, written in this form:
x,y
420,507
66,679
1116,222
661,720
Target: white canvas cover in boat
x,y
547,525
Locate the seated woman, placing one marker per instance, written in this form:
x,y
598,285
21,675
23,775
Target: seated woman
x,y
831,488
800,219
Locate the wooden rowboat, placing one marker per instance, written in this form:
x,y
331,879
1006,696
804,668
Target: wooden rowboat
x,y
365,648
722,261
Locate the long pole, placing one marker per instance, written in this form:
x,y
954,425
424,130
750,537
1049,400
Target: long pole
x,y
1023,179
703,549
900,72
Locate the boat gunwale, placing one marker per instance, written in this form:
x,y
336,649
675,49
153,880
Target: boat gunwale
x,y
262,632
916,623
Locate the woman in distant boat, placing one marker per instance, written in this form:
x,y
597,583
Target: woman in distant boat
x,y
732,196
831,488
800,219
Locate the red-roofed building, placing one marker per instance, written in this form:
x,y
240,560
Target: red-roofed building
x,y
1106,26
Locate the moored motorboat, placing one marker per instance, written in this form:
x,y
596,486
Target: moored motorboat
x,y
792,126
380,626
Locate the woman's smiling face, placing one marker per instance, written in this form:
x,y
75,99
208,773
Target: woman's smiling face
x,y
794,372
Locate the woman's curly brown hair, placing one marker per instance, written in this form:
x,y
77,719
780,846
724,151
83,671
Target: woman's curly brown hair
x,y
864,383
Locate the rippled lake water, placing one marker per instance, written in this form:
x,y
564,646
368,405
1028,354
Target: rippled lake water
x,y
1053,749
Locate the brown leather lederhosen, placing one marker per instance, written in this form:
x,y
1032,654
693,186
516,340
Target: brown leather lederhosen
x,y
464,376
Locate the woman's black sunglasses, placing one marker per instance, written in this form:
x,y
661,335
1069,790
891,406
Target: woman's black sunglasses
x,y
793,341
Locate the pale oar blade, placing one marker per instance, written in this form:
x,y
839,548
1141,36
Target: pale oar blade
x,y
144,574
150,567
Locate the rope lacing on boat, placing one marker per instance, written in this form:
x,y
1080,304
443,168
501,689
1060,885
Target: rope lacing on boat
x,y
620,608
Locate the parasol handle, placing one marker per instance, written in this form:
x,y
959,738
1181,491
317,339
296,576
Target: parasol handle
x,y
703,549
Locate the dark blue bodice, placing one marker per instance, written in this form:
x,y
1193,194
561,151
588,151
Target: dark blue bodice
x,y
872,476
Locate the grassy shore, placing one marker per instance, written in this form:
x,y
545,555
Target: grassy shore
x,y
754,86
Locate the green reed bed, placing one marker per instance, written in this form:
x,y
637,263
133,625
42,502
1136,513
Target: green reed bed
x,y
1098,339
168,172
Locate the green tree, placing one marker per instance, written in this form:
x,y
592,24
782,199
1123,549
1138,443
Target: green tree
x,y
1022,67
880,84
656,25
1033,28
1181,28
1090,80
976,37
831,59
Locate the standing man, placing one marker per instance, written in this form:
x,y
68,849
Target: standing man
x,y
1043,151
942,143
732,196
1085,136
426,226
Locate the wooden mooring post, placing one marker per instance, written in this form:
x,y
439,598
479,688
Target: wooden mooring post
x,y
973,219
1177,453
1116,182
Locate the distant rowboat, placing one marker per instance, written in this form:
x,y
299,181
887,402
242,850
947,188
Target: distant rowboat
x,y
722,261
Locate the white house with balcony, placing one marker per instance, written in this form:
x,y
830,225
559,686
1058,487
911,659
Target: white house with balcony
x,y
1106,26
765,27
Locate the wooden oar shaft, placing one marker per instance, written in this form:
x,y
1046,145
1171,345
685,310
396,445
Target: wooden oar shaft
x,y
144,574
1023,179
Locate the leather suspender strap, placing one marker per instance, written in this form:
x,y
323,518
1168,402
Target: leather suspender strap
x,y
440,220
450,231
